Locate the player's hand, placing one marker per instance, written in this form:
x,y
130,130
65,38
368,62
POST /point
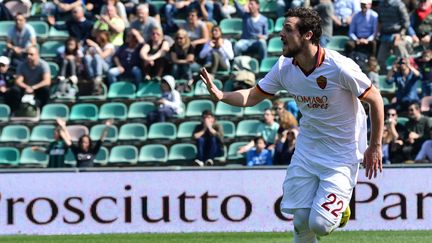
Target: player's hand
x,y
372,161
214,91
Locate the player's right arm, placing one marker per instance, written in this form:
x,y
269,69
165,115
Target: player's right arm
x,y
243,97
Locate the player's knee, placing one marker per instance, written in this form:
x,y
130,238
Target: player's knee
x,y
301,218
320,226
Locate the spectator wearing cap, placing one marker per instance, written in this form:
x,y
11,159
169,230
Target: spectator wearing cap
x,y
209,139
20,36
363,29
344,10
6,76
169,105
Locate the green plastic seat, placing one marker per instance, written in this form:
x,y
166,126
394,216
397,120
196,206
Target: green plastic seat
x,y
113,110
42,133
252,63
5,26
123,154
259,108
390,61
9,156
162,130
33,158
228,128
41,28
275,46
102,156
183,92
96,131
55,34
201,88
231,27
158,4
232,151
122,89
247,128
54,68
267,64
187,128
224,109
4,113
2,46
270,25
84,111
133,131
279,24
153,153
337,43
268,8
228,85
149,90
196,107
49,49
402,120
182,151
101,96
386,88
70,159
15,133
140,109
54,111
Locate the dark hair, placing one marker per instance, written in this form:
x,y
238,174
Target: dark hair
x,y
19,14
193,10
206,113
216,27
256,139
415,104
80,141
309,20
256,1
74,51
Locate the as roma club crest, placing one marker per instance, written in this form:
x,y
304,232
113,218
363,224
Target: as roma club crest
x,y
322,82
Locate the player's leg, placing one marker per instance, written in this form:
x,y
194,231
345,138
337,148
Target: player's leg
x,y
302,232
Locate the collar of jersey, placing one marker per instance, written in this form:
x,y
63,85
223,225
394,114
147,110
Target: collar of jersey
x,y
318,62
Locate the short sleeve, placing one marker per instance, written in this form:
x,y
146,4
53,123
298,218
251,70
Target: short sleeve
x,y
353,79
31,31
46,68
271,83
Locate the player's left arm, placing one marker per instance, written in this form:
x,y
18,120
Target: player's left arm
x,y
372,160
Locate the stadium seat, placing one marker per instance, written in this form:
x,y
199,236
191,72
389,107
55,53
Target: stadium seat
x,y
41,28
133,131
55,110
201,88
228,85
162,130
247,128
390,61
113,110
123,154
228,128
267,64
84,111
402,120
187,128
58,35
337,43
158,4
42,133
386,88
33,158
224,109
279,24
5,26
196,107
231,27
153,153
232,151
259,108
102,156
122,89
101,96
149,90
54,68
70,159
183,92
270,25
4,113
96,131
140,109
15,133
76,131
182,152
268,8
9,156
275,46
49,49
2,46
247,62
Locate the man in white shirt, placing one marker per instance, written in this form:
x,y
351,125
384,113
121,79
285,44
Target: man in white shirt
x,y
327,88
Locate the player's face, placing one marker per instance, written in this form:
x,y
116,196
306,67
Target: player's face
x,y
291,38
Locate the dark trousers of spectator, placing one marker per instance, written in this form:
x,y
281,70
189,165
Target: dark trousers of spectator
x,y
182,71
157,69
369,48
160,115
14,95
208,148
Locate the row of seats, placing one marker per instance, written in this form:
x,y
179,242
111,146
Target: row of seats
x,y
127,155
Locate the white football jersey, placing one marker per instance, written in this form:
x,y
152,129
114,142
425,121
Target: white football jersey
x,y
333,124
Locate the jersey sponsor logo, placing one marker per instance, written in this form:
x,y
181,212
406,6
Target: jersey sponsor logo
x,y
313,102
322,82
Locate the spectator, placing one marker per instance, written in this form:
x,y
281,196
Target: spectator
x,y
421,23
325,11
33,77
127,59
119,9
78,27
182,56
6,77
154,53
207,10
344,11
285,147
286,119
56,150
70,60
98,58
209,138
424,64
217,52
169,105
363,29
373,71
226,9
417,131
425,153
197,31
111,23
144,23
19,38
85,152
405,77
259,155
171,10
254,31
393,138
393,20
63,7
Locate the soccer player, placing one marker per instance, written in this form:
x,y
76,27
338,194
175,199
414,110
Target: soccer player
x,y
327,88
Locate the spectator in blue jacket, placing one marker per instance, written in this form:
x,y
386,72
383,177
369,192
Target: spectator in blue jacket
x,y
259,155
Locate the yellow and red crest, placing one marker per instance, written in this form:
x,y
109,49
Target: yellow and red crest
x,y
322,82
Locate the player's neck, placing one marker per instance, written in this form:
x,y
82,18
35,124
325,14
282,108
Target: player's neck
x,y
307,59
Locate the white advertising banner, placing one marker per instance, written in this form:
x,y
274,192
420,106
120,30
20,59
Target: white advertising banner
x,y
194,201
